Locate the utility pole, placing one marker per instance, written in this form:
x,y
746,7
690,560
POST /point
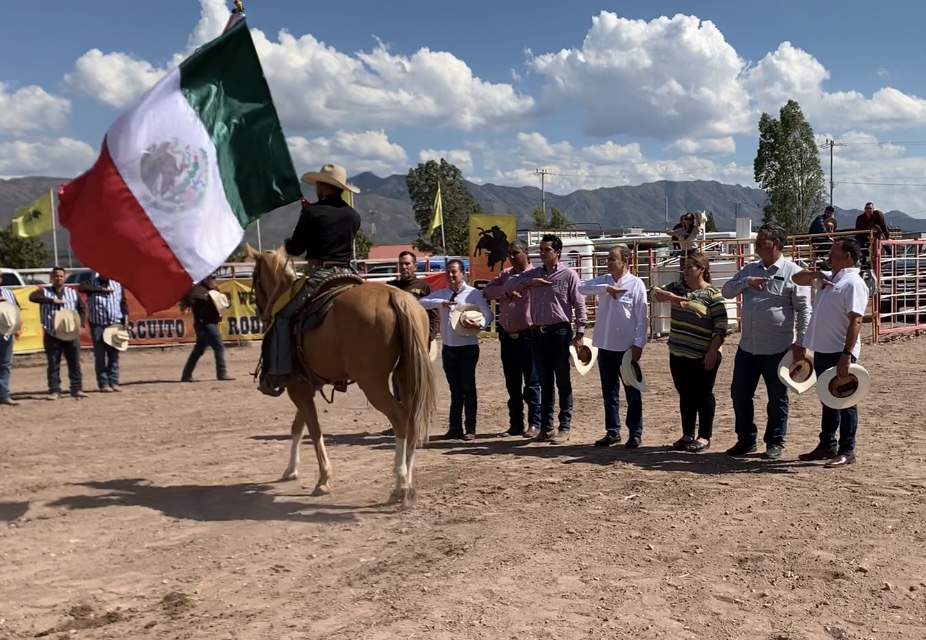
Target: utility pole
x,y
831,144
373,226
543,173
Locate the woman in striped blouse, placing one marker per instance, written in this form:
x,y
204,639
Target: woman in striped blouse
x,y
697,330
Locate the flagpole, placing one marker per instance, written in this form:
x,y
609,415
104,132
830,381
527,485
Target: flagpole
x,y
54,222
260,246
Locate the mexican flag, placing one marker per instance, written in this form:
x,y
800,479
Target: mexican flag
x,y
181,174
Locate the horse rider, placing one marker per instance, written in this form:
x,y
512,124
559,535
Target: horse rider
x,y
325,233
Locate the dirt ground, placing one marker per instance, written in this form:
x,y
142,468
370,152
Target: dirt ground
x,y
155,513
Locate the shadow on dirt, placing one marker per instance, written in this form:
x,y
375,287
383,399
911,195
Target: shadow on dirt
x,y
10,511
245,501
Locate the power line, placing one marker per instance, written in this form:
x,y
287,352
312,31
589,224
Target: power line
x,y
885,184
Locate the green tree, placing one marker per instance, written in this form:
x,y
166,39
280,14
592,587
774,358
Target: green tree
x,y
710,225
787,167
557,221
362,244
457,203
21,253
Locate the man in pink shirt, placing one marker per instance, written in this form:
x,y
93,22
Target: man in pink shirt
x,y
514,337
554,297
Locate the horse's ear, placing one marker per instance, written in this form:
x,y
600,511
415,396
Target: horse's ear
x,y
281,250
249,252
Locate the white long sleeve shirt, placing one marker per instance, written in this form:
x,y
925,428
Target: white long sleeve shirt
x,y
621,322
464,295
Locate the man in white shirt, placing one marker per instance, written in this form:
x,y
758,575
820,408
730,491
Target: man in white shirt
x,y
838,308
460,353
774,309
620,324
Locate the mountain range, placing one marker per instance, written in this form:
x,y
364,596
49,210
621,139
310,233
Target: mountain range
x,y
385,201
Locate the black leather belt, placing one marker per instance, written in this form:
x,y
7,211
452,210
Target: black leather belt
x,y
547,328
514,335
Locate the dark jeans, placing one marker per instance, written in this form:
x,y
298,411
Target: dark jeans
x,y
54,348
844,420
206,336
6,361
551,357
106,359
695,387
609,367
747,369
518,368
460,369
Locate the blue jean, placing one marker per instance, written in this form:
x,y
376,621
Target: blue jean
x,y
551,357
844,420
609,368
460,369
54,349
6,361
206,336
747,369
520,379
106,359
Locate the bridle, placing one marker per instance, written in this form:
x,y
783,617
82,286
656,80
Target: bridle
x,y
266,318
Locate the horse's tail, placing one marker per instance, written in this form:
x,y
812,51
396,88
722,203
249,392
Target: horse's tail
x,y
417,381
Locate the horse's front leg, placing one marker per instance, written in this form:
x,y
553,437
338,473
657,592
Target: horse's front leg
x,y
298,428
315,432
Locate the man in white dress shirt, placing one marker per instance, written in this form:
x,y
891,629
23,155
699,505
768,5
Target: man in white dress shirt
x,y
621,324
460,353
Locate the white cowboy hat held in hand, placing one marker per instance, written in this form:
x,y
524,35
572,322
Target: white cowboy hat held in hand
x,y
116,336
583,358
843,393
10,319
464,314
220,300
797,376
332,174
67,325
631,373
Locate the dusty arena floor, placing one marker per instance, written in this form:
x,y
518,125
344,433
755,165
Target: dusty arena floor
x,y
155,514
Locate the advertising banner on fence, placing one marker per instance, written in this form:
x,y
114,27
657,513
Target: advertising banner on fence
x,y
171,326
489,237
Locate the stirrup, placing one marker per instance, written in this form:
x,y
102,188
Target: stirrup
x,y
272,391
340,385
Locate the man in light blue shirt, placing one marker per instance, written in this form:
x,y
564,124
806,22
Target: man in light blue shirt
x,y
460,353
773,308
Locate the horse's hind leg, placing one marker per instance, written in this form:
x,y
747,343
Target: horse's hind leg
x,y
381,398
298,428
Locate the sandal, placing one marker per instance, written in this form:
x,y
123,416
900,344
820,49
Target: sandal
x,y
698,447
682,443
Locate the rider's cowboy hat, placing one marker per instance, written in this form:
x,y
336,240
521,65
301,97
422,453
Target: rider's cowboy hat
x,y
471,313
67,325
843,393
116,336
797,376
583,358
10,318
220,300
631,373
332,174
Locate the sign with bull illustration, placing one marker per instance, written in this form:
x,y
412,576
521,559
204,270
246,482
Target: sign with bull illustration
x,y
489,237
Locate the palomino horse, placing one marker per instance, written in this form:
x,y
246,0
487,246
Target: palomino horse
x,y
372,330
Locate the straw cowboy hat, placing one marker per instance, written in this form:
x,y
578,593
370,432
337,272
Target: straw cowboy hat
x,y
332,174
472,313
631,373
583,358
67,325
10,319
116,336
220,300
843,393
797,376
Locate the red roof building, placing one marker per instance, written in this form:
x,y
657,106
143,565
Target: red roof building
x,y
392,251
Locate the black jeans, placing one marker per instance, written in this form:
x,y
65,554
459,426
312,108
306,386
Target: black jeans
x,y
695,387
460,369
520,379
551,357
206,336
54,349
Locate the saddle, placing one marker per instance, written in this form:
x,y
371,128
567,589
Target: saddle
x,y
320,290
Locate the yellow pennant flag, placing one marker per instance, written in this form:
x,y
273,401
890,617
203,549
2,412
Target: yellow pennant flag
x,y
438,219
36,218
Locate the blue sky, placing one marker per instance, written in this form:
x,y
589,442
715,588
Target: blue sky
x,y
601,94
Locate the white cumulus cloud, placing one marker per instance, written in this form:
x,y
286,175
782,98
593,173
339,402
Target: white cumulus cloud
x,y
355,151
462,158
64,157
30,109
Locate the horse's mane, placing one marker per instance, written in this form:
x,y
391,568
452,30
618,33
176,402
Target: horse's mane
x,y
279,265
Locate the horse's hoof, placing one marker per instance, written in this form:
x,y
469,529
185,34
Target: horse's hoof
x,y
396,497
321,490
410,499
290,475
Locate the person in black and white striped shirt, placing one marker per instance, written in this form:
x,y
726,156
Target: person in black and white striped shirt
x,y
6,353
106,306
50,298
